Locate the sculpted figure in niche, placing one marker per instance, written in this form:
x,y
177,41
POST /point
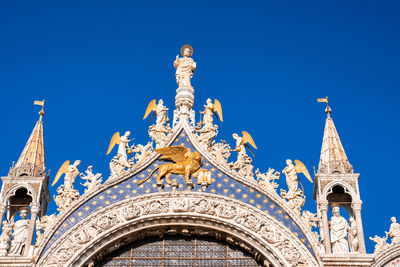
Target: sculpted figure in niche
x,y
5,237
353,233
185,66
394,231
20,233
339,228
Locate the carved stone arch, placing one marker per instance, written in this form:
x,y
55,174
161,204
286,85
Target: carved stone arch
x,y
12,191
347,189
181,211
387,256
51,235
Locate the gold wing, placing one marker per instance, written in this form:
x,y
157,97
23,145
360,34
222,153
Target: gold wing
x,y
217,108
247,139
300,167
152,106
174,153
115,139
61,171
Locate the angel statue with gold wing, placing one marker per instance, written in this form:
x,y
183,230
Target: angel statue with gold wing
x,y
208,114
243,162
295,196
66,192
123,148
291,172
186,163
160,110
159,131
70,171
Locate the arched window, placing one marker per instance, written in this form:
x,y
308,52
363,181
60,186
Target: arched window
x,y
179,251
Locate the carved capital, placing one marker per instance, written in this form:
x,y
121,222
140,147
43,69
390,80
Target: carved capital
x,y
35,208
356,205
323,205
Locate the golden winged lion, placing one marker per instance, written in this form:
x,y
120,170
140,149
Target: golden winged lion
x,y
185,163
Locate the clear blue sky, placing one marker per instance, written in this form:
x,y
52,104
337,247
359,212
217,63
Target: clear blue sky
x,y
98,64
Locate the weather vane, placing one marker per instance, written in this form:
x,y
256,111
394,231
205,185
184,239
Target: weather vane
x,y
325,100
40,103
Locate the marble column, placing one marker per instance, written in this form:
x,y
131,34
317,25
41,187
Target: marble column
x,y
356,206
31,229
2,211
323,206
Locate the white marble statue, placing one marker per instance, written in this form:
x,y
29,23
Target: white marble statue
x,y
208,114
116,168
92,180
353,236
243,161
5,237
394,231
291,176
42,225
65,198
123,147
381,243
185,67
339,228
70,176
240,148
205,128
161,113
20,233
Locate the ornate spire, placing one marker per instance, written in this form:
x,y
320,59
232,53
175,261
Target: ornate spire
x,y
31,162
333,158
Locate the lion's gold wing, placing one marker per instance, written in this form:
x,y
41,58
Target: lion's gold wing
x,y
174,153
247,139
115,140
152,106
301,168
63,169
217,108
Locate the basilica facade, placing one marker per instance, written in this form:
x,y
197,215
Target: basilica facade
x,y
187,198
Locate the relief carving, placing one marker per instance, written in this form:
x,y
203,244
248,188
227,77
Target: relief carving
x,y
107,221
155,207
132,211
267,230
181,205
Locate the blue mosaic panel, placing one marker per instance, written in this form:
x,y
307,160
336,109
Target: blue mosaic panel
x,y
221,185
